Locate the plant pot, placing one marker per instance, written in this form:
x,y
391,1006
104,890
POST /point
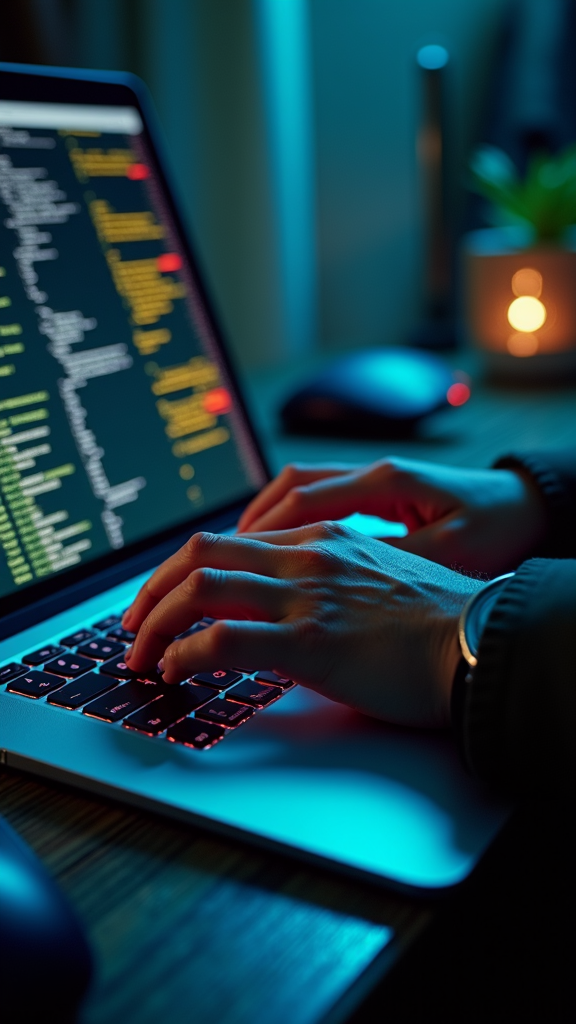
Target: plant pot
x,y
520,304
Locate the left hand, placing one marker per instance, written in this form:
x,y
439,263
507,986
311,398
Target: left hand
x,y
362,622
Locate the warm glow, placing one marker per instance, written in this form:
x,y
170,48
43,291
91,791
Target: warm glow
x,y
522,344
526,313
137,172
527,282
217,401
458,393
168,261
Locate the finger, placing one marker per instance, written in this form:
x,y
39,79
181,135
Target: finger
x,y
225,644
330,498
440,542
291,540
206,592
202,550
274,492
386,489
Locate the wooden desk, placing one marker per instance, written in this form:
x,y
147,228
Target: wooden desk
x,y
186,927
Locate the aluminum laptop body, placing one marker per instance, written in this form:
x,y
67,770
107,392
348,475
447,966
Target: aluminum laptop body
x,y
122,431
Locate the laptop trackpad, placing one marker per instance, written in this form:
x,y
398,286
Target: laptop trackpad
x,y
306,773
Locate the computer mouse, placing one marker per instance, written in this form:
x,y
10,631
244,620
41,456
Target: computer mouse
x,y
45,961
375,393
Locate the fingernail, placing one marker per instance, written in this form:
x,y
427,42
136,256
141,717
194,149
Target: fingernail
x,y
128,654
161,666
126,617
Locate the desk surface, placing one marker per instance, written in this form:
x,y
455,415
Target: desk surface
x,y
186,927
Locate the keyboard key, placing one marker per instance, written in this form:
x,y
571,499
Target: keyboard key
x,y
101,648
171,707
35,684
275,678
12,671
219,679
43,654
70,665
124,635
108,623
119,669
225,712
79,637
80,691
195,734
112,707
258,695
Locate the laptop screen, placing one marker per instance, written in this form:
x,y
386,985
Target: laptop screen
x,y
118,416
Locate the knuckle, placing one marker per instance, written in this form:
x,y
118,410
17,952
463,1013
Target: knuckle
x,y
199,543
172,658
151,628
296,497
388,469
328,530
318,561
149,590
196,583
290,472
219,638
201,583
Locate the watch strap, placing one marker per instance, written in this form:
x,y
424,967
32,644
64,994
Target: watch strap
x,y
458,701
475,615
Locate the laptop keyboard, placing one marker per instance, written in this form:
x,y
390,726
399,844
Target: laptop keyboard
x,y
85,672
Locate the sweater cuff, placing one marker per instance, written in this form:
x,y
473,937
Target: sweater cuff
x,y
560,540
518,719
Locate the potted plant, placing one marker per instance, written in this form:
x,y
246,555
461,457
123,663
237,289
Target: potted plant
x,y
520,275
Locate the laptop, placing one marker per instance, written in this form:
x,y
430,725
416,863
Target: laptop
x,y
122,432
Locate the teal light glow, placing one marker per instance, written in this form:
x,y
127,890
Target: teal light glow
x,y
285,66
373,526
432,57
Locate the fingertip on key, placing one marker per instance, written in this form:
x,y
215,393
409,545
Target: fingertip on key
x,y
128,654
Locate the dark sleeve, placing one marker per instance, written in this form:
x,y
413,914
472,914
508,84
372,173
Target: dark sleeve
x,y
519,715
554,474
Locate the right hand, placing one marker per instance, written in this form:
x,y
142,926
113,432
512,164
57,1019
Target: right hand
x,y
355,619
477,520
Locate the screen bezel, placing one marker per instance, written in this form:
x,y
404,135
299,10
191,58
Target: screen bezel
x,y
69,85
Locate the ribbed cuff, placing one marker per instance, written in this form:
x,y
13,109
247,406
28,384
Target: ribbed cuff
x,y
560,532
520,708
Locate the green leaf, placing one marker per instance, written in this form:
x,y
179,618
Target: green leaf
x,y
546,198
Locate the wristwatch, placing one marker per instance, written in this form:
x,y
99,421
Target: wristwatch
x,y
470,628
475,616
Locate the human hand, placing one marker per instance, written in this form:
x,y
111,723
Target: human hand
x,y
480,520
349,616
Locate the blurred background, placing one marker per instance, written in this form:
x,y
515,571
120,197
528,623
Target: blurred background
x,y
291,129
